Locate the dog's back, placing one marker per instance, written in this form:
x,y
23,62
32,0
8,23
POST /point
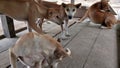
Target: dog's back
x,y
34,47
9,8
50,4
29,49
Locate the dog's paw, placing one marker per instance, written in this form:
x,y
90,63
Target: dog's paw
x,y
64,37
67,34
103,27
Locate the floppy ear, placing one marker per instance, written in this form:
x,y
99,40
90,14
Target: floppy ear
x,y
58,53
78,5
63,5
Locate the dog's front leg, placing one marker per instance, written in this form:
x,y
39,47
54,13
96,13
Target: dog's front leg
x,y
66,28
63,32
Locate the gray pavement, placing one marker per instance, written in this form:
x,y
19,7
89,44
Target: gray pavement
x,y
91,47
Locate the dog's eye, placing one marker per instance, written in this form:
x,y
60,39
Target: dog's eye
x,y
73,10
67,9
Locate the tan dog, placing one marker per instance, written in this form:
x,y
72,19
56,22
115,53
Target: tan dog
x,y
99,13
67,11
28,10
34,49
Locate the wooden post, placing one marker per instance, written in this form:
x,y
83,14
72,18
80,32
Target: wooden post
x,y
8,26
72,1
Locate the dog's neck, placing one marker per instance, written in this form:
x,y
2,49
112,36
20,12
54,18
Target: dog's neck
x,y
43,13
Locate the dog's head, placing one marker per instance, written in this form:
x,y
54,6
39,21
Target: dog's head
x,y
70,9
54,15
60,52
57,56
105,5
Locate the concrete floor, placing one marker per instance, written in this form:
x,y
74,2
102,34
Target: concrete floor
x,y
91,47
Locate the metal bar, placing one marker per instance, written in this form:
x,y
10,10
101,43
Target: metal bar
x,y
72,1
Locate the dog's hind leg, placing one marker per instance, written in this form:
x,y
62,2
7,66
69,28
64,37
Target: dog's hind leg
x,y
28,27
63,32
28,66
32,19
13,59
40,22
109,25
34,26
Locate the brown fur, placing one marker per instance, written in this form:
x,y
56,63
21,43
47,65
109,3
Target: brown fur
x,y
99,13
28,10
33,49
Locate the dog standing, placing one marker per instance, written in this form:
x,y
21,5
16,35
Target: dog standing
x,y
28,10
99,13
67,11
34,49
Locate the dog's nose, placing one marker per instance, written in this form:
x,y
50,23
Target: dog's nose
x,y
108,10
70,17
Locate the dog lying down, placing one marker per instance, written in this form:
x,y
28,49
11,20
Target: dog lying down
x,y
100,13
37,51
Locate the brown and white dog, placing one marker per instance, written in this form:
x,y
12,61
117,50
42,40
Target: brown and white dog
x,y
28,10
67,11
37,50
99,13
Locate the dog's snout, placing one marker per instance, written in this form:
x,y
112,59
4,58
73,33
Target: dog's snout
x,y
70,17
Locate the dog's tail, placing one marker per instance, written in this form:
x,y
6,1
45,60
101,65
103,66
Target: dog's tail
x,y
84,17
12,58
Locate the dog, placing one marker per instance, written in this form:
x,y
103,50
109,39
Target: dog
x,y
28,10
67,11
99,13
34,50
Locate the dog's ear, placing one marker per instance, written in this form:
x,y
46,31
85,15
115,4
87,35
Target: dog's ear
x,y
78,5
63,5
58,40
59,53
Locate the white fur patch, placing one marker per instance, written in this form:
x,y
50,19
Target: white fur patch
x,y
103,27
